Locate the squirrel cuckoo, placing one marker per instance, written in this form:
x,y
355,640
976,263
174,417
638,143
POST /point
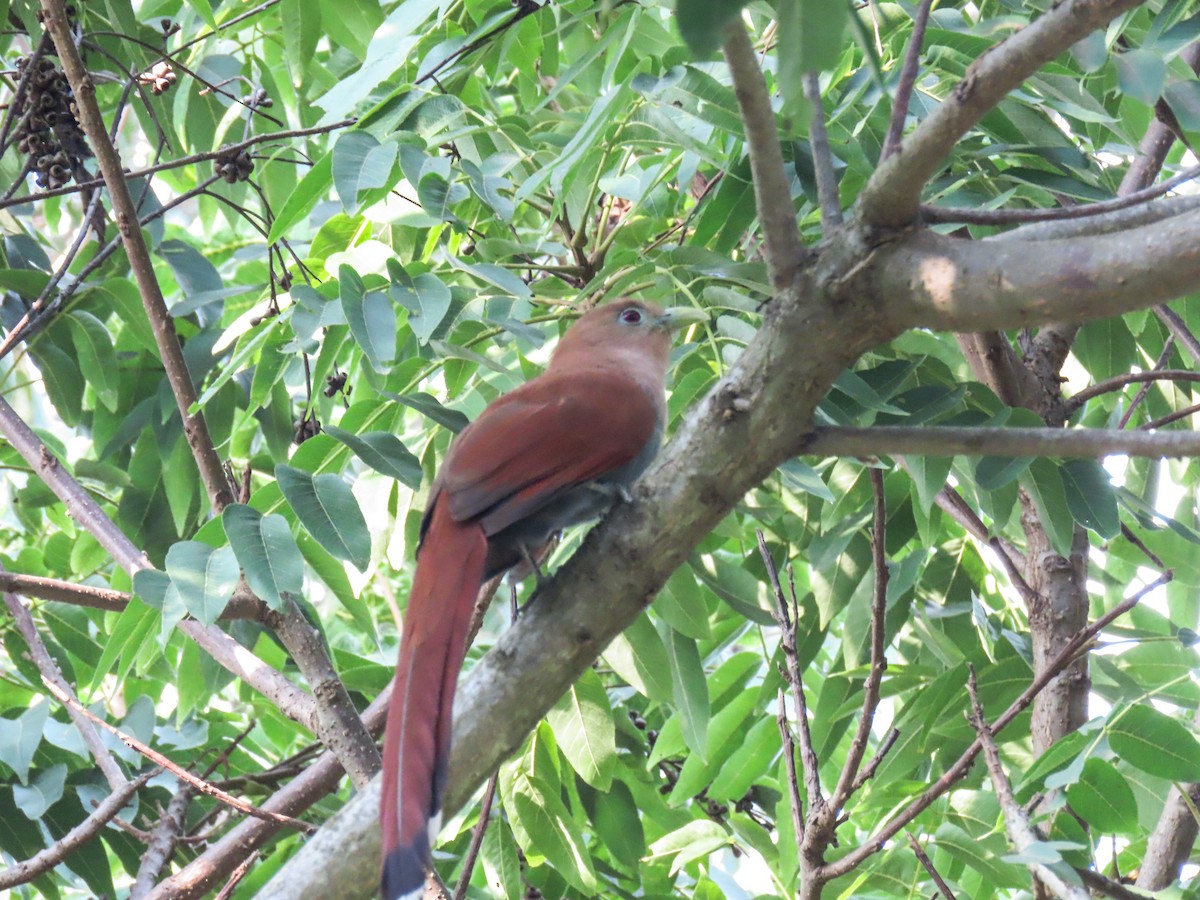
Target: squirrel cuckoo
x,y
551,453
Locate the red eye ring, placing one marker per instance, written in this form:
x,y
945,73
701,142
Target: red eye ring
x,y
631,316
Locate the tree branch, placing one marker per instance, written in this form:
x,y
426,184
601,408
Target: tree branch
x,y
49,670
907,81
88,829
198,877
87,513
109,163
1020,831
944,440
1078,644
890,198
934,281
179,772
866,718
772,192
827,186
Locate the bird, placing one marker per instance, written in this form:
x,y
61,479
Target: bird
x,y
557,451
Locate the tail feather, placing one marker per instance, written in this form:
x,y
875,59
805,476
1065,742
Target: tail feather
x,y
416,745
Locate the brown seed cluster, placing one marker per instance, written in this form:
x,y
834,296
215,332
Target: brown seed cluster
x,y
48,129
234,165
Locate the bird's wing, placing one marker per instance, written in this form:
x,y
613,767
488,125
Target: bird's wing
x,y
551,434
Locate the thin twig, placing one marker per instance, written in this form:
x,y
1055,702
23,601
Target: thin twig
x,y
48,668
207,156
866,718
927,863
967,216
1116,383
962,765
942,440
109,162
179,772
1170,417
1020,832
789,761
485,811
827,186
45,860
1159,365
787,627
908,80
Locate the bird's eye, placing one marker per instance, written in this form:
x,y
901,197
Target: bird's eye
x,y
631,316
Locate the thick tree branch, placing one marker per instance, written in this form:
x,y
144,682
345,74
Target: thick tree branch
x,y
890,199
933,281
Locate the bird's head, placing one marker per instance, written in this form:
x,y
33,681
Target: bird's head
x,y
626,329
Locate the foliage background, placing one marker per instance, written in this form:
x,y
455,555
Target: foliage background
x,y
370,288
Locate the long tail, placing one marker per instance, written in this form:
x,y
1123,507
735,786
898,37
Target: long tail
x,y
416,744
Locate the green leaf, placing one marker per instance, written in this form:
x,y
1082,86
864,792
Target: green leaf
x,y
134,627
326,507
812,31
582,721
301,21
501,862
495,275
371,317
545,830
1155,743
44,790
360,163
97,358
994,472
1141,73
427,302
431,408
637,654
689,688
20,737
205,577
700,23
303,198
383,452
266,551
1044,483
695,840
681,604
438,195
752,760
1104,798
1090,497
